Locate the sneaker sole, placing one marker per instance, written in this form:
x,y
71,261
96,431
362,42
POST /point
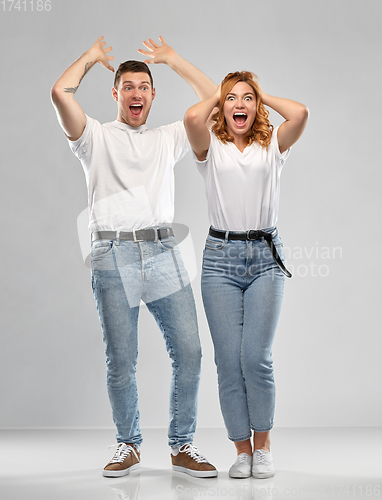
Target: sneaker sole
x,y
264,475
195,473
119,473
239,475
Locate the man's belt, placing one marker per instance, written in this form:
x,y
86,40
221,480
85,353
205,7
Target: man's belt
x,y
253,235
151,234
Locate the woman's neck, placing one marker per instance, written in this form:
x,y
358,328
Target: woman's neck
x,y
240,142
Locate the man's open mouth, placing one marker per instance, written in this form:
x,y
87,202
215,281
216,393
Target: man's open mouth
x,y
136,109
240,118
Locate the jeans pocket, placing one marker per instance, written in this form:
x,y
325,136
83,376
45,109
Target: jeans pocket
x,y
279,247
101,248
168,243
214,243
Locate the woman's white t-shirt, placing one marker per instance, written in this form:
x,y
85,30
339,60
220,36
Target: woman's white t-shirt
x,y
242,188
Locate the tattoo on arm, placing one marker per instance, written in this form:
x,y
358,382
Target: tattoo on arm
x,y
73,90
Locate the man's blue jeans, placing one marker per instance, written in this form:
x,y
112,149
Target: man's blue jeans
x,y
242,289
123,274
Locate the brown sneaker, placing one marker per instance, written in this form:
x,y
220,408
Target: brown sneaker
x,y
126,459
190,461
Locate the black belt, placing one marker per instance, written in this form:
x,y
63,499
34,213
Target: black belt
x,y
253,235
151,234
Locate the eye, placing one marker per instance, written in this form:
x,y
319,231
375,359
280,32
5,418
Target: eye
x,y
127,88
230,98
248,98
145,88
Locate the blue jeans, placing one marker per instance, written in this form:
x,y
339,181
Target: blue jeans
x,y
242,290
123,274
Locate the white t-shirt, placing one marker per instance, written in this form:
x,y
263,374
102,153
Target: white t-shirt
x,y
242,188
129,173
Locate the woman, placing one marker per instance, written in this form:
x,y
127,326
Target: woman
x,y
243,272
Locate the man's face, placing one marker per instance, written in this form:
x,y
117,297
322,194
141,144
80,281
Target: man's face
x,y
134,96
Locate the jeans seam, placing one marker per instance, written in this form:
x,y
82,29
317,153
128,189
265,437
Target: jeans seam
x,y
177,268
241,357
172,356
265,429
241,438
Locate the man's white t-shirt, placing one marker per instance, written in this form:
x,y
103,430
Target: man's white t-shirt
x,y
130,173
242,188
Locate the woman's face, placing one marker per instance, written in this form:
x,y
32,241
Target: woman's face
x,y
240,109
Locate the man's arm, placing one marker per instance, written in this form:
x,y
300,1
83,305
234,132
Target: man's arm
x,y
203,86
69,113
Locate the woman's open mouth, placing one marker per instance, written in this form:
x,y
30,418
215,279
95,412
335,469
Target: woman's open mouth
x,y
240,118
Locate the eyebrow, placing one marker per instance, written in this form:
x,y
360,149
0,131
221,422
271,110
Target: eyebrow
x,y
247,93
140,83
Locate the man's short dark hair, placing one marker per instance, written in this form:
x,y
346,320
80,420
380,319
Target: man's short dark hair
x,y
134,67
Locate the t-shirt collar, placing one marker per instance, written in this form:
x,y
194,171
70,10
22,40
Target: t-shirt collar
x,y
125,126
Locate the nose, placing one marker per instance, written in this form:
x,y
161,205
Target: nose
x,y
137,94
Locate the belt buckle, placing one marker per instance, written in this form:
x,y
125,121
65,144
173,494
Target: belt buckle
x,y
135,239
248,234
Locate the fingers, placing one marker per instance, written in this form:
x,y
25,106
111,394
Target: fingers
x,y
102,45
154,50
144,52
151,44
146,44
150,47
154,44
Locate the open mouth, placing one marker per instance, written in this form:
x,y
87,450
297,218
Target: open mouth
x,y
136,109
240,118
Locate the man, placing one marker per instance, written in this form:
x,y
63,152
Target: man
x,y
129,174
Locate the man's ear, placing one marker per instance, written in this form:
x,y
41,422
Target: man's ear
x,y
114,93
153,93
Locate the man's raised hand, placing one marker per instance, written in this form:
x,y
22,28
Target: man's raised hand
x,y
157,53
101,53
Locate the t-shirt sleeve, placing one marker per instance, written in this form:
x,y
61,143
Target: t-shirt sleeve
x,y
202,164
82,147
281,157
176,133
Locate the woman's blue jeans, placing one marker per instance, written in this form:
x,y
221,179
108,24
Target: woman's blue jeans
x,y
123,274
242,290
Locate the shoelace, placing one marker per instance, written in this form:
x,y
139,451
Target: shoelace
x,y
260,457
193,452
241,458
122,451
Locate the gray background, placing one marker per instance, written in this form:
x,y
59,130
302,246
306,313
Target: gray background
x,y
325,54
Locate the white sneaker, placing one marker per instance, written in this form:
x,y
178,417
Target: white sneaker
x,y
242,466
262,464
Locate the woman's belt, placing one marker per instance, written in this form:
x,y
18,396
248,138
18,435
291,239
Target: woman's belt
x,y
253,235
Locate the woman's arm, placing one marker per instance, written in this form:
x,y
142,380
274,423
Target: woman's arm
x,y
296,116
196,124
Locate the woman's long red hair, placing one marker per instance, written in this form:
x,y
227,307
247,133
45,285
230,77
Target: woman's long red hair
x,y
261,130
